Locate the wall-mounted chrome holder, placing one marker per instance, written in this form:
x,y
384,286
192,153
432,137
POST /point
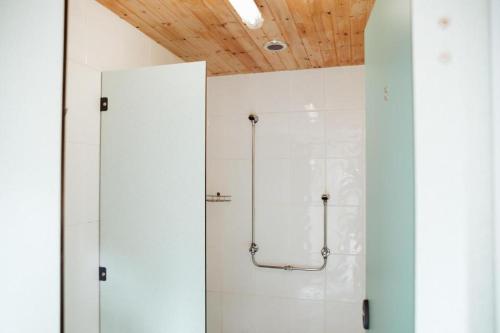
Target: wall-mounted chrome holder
x,y
218,198
254,248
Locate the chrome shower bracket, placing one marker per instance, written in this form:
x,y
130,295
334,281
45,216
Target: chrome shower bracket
x,y
253,118
254,248
325,252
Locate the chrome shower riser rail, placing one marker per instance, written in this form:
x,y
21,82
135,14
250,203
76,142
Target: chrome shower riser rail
x,y
254,248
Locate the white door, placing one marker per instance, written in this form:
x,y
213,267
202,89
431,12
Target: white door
x,y
152,201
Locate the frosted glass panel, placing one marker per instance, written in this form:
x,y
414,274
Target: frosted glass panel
x,y
390,219
153,200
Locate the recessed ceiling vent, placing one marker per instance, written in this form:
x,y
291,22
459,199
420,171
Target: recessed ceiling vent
x,y
275,46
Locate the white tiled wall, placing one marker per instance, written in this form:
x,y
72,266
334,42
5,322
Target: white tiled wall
x,y
98,40
310,140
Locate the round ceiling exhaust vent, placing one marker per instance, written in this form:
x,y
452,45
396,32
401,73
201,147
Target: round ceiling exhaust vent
x,y
275,46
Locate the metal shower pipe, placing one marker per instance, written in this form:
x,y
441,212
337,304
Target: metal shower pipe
x,y
254,248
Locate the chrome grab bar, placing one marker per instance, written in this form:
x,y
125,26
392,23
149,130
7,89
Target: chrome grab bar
x,y
254,248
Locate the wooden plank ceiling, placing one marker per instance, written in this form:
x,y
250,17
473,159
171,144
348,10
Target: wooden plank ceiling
x,y
319,33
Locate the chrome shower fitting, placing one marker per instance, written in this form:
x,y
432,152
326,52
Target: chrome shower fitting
x,y
253,118
254,248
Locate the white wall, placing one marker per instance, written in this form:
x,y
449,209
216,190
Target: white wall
x,y
310,139
31,67
454,277
98,40
495,58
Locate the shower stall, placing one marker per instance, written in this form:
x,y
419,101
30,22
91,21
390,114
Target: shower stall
x,y
285,251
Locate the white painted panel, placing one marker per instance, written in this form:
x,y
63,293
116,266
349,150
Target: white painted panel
x,y
152,200
495,57
81,285
31,67
454,278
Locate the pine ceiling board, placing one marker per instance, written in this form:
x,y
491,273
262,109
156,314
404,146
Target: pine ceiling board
x,y
239,34
240,46
306,31
319,33
322,25
329,23
273,32
209,34
343,31
281,13
260,37
357,38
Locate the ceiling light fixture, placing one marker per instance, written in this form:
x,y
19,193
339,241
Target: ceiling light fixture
x,y
275,45
249,13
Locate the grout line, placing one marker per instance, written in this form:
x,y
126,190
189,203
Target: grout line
x,y
82,143
323,300
75,224
292,110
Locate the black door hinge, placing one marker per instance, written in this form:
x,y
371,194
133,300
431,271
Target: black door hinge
x,y
103,274
366,314
104,104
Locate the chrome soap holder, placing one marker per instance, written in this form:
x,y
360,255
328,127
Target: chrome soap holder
x,y
218,198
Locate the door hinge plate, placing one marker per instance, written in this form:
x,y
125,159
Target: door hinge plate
x,y
104,104
366,314
103,274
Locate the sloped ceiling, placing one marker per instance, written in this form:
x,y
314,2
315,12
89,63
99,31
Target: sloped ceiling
x,y
319,33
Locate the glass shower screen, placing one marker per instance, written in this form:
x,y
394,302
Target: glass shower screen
x,y
152,200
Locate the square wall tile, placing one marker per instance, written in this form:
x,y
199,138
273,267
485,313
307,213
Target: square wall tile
x,y
345,278
82,118
216,216
272,315
272,181
344,317
307,285
239,313
272,136
271,282
307,317
215,137
345,182
272,92
307,180
232,94
346,230
77,34
307,90
231,177
307,135
344,126
272,233
81,183
345,149
238,270
345,88
229,137
214,312
305,231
